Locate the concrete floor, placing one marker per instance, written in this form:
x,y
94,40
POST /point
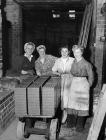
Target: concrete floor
x,y
10,133
65,133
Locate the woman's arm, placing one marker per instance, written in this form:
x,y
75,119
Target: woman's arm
x,y
90,74
55,68
38,73
31,72
37,68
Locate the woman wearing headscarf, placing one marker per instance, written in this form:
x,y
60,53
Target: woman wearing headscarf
x,y
45,62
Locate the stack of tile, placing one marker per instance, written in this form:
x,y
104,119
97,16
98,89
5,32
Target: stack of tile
x,y
38,97
35,96
51,96
21,98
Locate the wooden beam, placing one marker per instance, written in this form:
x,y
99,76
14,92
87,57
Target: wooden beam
x,y
84,33
33,1
98,116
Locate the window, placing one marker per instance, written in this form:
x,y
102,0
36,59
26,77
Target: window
x,y
72,14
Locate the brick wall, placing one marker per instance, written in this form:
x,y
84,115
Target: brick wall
x,y
99,45
7,108
14,19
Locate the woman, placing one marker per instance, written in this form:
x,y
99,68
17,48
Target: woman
x,y
24,64
28,60
44,63
62,67
81,83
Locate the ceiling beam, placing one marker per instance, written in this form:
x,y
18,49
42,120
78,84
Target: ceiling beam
x,y
49,1
53,4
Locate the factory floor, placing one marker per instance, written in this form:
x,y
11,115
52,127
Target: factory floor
x,y
66,133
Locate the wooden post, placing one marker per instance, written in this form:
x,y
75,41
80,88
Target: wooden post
x,y
83,38
98,116
15,32
83,23
1,70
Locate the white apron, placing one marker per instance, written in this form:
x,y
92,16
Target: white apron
x,y
66,80
79,94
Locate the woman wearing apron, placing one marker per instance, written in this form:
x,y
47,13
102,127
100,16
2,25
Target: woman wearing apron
x,y
80,86
62,68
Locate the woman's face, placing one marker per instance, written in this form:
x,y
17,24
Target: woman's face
x,y
41,52
29,49
64,52
77,54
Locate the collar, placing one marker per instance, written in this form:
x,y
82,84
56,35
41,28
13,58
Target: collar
x,y
65,59
78,60
28,56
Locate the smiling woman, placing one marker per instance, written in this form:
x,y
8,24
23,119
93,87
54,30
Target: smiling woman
x,y
24,64
62,67
45,62
27,66
63,64
80,87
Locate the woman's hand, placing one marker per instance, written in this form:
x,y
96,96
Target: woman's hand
x,y
30,72
38,73
24,72
57,73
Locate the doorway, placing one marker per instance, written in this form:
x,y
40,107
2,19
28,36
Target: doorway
x,y
52,26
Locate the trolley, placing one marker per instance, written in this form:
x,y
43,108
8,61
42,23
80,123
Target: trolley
x,y
38,98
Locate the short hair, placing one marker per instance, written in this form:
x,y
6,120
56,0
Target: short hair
x,y
29,43
64,46
41,47
75,47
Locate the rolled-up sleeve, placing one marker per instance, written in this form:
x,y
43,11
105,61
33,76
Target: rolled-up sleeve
x,y
37,66
90,74
55,67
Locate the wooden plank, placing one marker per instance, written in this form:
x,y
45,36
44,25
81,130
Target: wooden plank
x,y
88,27
84,33
98,116
94,14
30,1
82,27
